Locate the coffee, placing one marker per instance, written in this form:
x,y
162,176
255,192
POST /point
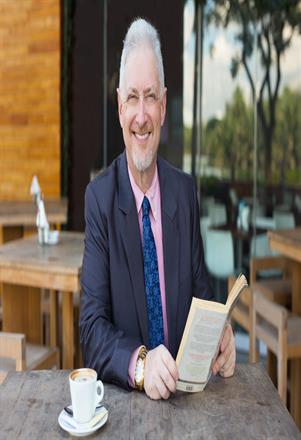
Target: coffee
x,y
83,375
86,392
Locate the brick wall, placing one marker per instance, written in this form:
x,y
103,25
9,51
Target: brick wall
x,y
29,97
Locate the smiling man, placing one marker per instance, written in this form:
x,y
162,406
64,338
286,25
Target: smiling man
x,y
143,259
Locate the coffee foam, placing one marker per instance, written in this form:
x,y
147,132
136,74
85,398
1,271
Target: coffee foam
x,y
83,375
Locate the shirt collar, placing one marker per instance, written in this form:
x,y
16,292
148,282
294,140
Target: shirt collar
x,y
153,193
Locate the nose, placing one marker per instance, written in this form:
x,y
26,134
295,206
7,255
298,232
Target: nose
x,y
141,113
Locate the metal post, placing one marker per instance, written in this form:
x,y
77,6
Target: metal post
x,y
105,116
255,139
200,94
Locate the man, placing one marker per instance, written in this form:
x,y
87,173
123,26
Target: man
x,y
143,259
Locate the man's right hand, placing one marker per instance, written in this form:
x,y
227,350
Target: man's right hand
x,y
160,373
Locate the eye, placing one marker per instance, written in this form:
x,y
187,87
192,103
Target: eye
x,y
132,98
151,97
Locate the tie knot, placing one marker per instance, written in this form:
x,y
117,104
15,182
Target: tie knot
x,y
145,206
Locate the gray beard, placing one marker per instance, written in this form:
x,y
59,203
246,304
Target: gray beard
x,y
143,161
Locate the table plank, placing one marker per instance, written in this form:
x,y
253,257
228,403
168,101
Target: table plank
x,y
62,258
245,406
287,242
24,212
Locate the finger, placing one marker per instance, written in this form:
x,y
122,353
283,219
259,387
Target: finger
x,y
228,368
223,357
170,364
152,393
228,334
162,389
168,379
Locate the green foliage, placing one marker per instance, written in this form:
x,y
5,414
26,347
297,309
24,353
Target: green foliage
x,y
287,159
229,141
270,25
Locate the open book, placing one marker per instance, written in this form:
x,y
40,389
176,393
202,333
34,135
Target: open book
x,y
201,338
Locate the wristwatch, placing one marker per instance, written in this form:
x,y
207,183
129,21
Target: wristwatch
x,y
139,370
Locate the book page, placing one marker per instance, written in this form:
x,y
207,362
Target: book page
x,y
239,285
198,347
202,335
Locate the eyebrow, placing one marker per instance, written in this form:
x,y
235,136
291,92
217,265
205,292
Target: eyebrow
x,y
145,92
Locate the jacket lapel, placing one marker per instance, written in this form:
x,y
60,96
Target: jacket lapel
x,y
170,251
132,243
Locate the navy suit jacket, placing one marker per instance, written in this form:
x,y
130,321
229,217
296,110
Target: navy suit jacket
x,y
113,319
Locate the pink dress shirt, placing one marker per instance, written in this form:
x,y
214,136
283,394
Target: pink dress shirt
x,y
154,197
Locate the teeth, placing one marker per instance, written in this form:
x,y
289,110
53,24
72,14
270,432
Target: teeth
x,y
141,136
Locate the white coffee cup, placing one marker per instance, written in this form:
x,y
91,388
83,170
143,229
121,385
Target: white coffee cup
x,y
86,392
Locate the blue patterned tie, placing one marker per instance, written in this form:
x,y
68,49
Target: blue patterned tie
x,y
151,279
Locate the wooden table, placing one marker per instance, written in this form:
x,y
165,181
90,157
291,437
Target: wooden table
x,y
25,263
15,216
288,243
247,406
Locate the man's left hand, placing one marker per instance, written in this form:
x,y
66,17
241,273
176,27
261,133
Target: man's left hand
x,y
225,362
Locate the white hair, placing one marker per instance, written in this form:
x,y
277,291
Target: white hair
x,y
140,34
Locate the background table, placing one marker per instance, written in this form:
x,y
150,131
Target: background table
x,y
245,406
288,243
17,217
25,263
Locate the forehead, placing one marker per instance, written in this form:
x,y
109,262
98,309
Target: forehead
x,y
141,70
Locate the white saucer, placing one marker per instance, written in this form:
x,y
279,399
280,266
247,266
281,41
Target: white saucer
x,y
77,432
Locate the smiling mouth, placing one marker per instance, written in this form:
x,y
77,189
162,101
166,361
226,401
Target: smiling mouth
x,y
142,136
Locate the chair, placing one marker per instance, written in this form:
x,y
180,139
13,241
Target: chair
x,y
297,202
17,355
205,203
270,276
219,255
278,290
264,222
280,331
260,248
233,197
284,220
217,214
205,225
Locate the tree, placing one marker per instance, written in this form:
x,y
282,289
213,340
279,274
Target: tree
x,y
288,135
229,140
275,22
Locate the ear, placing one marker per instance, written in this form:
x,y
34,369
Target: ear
x,y
163,105
120,107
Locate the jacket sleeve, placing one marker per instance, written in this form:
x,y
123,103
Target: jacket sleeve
x,y
201,285
105,348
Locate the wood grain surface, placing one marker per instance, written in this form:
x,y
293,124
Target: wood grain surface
x,y
30,70
246,406
24,213
27,255
288,243
25,263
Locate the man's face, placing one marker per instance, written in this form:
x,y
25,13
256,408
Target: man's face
x,y
141,109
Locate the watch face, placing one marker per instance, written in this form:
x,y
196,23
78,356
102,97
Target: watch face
x,y
139,370
139,374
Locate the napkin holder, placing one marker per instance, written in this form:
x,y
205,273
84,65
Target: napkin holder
x,y
45,235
